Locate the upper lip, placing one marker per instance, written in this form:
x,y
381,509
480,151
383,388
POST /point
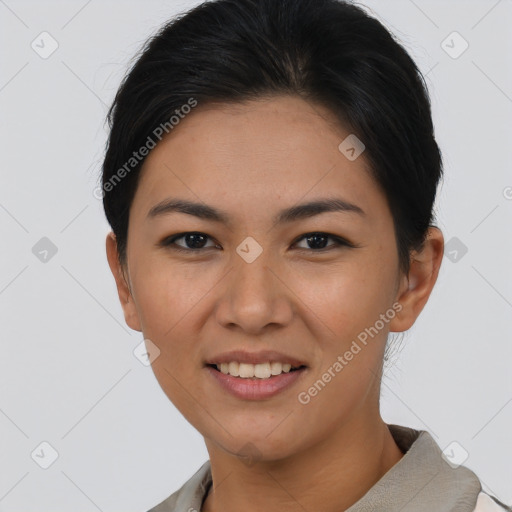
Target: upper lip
x,y
263,356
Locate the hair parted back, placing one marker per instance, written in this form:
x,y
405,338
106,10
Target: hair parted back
x,y
326,51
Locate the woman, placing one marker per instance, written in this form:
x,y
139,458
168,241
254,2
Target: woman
x,y
269,178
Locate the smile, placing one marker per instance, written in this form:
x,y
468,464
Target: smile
x,y
249,386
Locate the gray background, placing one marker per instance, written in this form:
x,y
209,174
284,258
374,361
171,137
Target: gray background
x,y
68,375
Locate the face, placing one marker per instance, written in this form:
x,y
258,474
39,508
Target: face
x,y
243,273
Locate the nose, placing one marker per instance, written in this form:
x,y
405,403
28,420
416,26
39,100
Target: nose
x,y
255,297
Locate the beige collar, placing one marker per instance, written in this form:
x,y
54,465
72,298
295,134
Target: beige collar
x,y
421,481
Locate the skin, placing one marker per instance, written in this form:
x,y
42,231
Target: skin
x,y
252,160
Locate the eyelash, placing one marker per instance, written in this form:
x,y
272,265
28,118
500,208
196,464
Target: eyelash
x,y
169,242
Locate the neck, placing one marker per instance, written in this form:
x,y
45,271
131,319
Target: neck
x,y
329,476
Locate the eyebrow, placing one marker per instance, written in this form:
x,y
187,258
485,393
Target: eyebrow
x,y
294,213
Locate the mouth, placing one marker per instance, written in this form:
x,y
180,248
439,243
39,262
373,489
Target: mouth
x,y
260,381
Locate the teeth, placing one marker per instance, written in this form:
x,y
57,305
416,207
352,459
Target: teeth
x,y
276,368
233,369
260,371
246,370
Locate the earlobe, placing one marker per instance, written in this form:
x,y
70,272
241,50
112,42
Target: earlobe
x,y
123,290
416,287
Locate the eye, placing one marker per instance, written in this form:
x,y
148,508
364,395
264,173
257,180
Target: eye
x,y
318,241
193,241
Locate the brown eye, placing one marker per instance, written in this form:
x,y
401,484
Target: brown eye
x,y
192,241
317,241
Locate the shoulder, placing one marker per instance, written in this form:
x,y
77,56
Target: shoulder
x,y
486,503
190,495
432,477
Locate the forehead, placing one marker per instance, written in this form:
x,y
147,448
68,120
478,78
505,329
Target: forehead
x,y
247,154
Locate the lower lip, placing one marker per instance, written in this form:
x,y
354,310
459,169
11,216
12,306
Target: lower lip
x,y
254,388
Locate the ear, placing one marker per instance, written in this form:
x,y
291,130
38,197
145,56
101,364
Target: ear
x,y
415,287
123,290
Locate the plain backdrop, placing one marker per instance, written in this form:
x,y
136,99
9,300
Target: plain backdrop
x,y
68,375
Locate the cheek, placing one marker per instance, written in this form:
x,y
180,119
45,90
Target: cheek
x,y
167,300
347,305
166,293
347,298
349,310
171,302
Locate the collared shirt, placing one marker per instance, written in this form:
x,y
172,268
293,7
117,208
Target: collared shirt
x,y
423,480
